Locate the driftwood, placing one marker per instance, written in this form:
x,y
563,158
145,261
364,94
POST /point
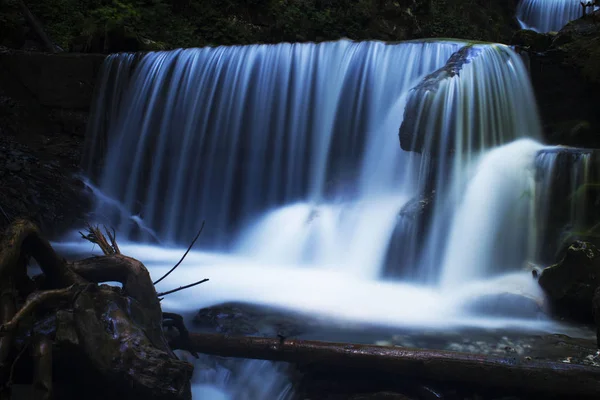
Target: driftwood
x,y
80,332
575,381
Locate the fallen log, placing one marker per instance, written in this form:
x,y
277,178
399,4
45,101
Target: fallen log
x,y
527,375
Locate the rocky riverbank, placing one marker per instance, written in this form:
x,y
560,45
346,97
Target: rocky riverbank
x,y
44,104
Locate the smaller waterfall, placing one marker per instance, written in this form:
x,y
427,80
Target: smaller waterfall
x,y
567,198
548,15
493,228
480,99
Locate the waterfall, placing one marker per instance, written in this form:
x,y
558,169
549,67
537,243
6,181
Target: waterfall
x,y
288,150
566,183
493,226
290,153
548,15
226,133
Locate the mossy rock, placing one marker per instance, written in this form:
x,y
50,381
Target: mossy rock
x,y
571,283
532,40
580,43
566,79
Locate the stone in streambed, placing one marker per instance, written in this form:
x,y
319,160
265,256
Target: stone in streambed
x,y
570,284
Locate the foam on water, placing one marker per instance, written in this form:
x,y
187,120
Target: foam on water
x,y
334,293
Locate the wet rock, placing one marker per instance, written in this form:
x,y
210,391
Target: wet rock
x,y
50,193
571,283
532,40
409,235
43,119
251,320
422,131
566,80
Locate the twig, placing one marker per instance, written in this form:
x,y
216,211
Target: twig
x,y
182,258
96,236
113,239
182,288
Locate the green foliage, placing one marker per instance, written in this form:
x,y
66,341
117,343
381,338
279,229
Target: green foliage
x,y
109,25
10,21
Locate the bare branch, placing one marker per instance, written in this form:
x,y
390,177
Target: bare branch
x,y
182,288
96,236
182,258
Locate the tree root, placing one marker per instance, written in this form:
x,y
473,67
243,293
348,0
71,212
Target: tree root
x,y
117,332
95,236
7,312
42,373
38,299
23,239
130,272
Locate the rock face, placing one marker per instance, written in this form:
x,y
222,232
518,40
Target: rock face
x,y
44,101
570,284
565,72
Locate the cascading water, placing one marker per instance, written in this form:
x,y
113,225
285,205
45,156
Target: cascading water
x,y
225,134
290,154
548,15
480,99
566,182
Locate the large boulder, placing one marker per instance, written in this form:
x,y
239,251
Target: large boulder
x,y
571,283
565,72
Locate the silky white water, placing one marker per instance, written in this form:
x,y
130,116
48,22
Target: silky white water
x,y
290,154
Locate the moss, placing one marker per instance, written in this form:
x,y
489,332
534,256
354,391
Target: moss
x,y
585,54
533,40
